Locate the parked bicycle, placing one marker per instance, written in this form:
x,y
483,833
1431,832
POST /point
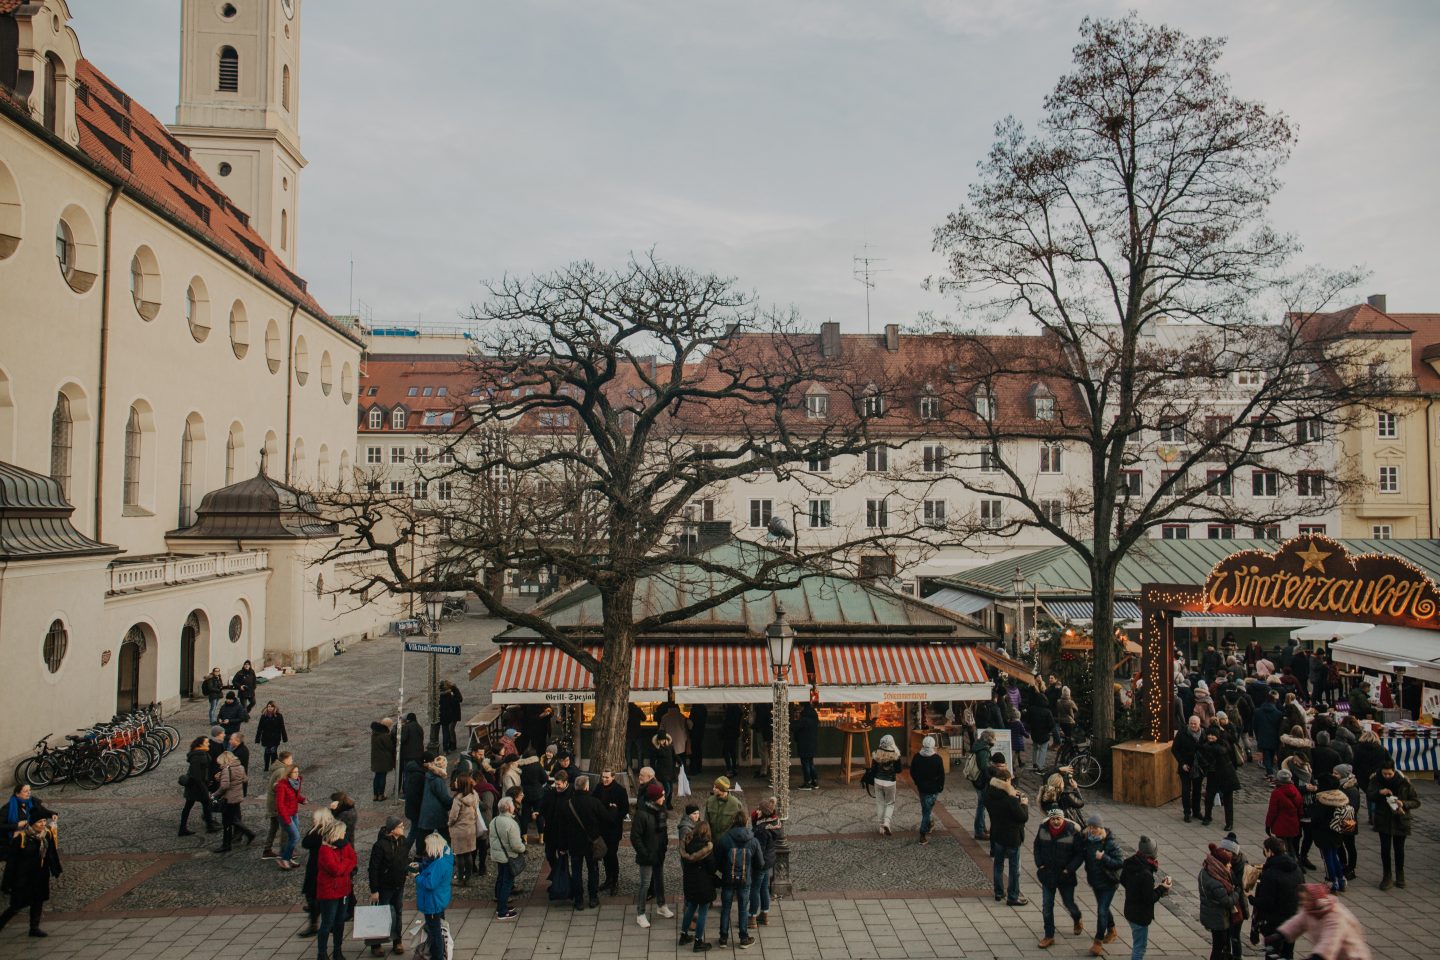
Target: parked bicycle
x,y
1073,757
129,745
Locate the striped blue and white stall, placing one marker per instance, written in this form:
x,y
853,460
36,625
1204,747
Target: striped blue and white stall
x,y
1414,754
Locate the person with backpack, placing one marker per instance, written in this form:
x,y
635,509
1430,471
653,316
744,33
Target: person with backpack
x,y
697,866
1137,875
739,859
767,827
976,763
1103,862
927,772
1334,817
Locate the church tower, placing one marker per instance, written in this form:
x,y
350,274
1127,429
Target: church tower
x,y
239,107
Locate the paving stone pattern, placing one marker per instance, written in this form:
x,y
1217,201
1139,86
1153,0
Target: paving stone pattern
x,y
133,890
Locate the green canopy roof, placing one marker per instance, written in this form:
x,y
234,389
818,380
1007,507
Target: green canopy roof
x,y
1059,571
822,606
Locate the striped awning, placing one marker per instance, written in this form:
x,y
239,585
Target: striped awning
x,y
729,673
544,674
872,673
1083,611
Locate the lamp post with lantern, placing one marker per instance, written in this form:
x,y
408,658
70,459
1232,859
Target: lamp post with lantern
x,y
1018,584
780,639
434,607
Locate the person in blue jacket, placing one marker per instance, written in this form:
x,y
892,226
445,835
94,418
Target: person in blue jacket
x,y
432,891
436,799
17,812
1103,862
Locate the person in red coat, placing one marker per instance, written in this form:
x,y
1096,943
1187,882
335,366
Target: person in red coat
x,y
333,888
1286,808
287,810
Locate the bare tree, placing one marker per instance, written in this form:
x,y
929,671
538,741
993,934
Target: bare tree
x,y
609,400
1131,230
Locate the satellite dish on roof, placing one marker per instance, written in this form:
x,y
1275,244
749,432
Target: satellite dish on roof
x,y
778,529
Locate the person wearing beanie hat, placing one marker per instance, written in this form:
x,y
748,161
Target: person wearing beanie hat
x,y
720,808
1222,900
1059,854
1346,782
1103,862
435,799
389,863
1142,892
649,837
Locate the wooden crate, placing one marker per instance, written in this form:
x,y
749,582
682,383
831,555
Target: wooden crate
x,y
1144,774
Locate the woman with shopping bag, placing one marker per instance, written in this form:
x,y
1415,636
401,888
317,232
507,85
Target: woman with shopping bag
x,y
432,892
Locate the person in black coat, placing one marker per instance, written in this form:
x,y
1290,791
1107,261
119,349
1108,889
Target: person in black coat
x,y
927,771
450,700
578,816
197,786
412,747
699,881
33,858
1059,857
1268,722
805,731
389,869
731,724
1009,812
634,737
270,731
244,683
615,802
1137,876
1040,719
233,713
1323,757
1217,756
1277,895
1186,749
412,780
699,719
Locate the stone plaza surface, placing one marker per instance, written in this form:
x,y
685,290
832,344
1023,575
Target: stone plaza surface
x,y
133,889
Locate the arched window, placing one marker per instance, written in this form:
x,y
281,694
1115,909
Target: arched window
x,y
397,419
52,94
187,464
57,639
229,77
131,496
284,229
285,87
377,418
62,440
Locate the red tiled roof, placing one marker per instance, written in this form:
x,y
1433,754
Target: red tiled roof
x,y
130,144
8,6
392,377
1424,345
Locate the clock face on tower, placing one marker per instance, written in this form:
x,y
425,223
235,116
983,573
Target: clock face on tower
x,y
289,7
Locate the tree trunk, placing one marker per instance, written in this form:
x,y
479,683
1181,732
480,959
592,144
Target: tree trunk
x,y
1102,626
495,581
612,683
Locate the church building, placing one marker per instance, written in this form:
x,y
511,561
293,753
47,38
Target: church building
x,y
169,388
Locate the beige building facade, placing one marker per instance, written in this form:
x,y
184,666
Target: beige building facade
x,y
154,348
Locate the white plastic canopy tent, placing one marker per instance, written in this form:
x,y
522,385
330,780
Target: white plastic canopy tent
x,y
1325,629
1378,647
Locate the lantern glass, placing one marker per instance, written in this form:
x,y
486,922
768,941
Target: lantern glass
x,y
434,606
780,639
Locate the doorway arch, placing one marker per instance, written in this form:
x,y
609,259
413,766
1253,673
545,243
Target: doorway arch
x,y
135,682
193,639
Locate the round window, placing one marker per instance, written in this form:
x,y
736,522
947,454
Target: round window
x,y
225,169
237,626
228,11
56,642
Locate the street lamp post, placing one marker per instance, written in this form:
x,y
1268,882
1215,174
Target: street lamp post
x,y
1019,584
434,607
780,639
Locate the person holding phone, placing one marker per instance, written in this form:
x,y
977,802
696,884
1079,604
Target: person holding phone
x,y
1142,892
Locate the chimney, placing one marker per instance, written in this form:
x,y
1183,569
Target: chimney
x,y
1377,301
711,533
830,339
892,337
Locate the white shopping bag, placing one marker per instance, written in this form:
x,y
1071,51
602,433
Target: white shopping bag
x,y
371,923
682,784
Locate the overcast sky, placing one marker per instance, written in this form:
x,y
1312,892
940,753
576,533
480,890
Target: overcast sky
x,y
453,141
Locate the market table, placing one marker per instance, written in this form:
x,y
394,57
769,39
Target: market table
x,y
851,731
1414,754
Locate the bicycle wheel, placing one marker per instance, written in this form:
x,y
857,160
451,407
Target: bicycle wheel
x,y
140,758
51,770
117,762
1087,770
171,735
30,771
89,772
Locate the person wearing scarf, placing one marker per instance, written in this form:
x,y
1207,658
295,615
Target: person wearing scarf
x,y
1059,857
885,766
1334,932
1220,898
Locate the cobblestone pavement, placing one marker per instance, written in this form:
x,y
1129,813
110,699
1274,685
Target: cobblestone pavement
x,y
133,889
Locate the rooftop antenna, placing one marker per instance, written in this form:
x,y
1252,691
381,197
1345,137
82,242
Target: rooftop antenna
x,y
865,271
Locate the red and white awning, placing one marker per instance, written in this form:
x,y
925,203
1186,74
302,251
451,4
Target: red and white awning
x,y
544,674
872,673
726,673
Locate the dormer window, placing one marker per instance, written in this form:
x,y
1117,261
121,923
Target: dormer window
x,y
984,404
397,419
377,418
929,404
1042,402
817,405
872,404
